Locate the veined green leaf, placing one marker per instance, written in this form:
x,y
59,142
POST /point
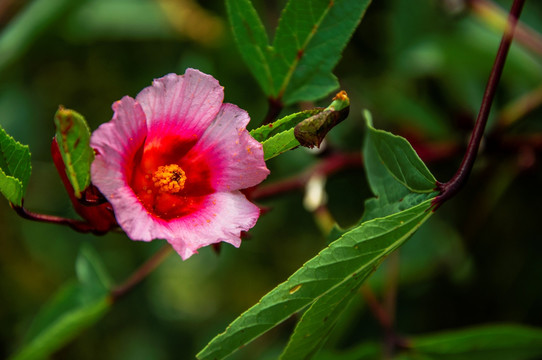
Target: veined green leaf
x,y
347,262
74,308
279,144
284,124
326,282
401,160
308,44
73,138
252,41
307,128
391,191
496,342
319,320
15,168
391,197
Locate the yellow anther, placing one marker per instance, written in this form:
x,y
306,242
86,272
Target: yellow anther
x,y
169,178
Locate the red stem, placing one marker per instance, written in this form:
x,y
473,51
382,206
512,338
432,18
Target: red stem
x,y
77,225
452,187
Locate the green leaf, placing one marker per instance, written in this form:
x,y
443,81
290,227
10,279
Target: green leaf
x,y
284,124
496,342
308,43
391,193
74,308
15,168
308,127
73,138
252,41
279,144
392,197
344,264
319,320
401,160
326,282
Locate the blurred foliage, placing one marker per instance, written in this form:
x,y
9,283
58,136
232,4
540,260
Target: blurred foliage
x,y
421,71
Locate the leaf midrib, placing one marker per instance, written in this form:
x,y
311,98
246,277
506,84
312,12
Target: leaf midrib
x,y
345,278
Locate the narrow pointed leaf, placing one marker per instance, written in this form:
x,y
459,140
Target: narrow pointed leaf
x,y
307,128
15,168
252,41
496,342
319,320
283,124
279,144
353,256
391,197
73,138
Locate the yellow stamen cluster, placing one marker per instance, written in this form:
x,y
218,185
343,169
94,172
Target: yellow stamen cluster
x,y
169,178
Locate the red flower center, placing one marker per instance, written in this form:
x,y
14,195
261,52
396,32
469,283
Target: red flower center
x,y
168,183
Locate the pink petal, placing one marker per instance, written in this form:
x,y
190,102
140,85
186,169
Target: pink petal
x,y
234,158
120,138
116,143
180,105
223,218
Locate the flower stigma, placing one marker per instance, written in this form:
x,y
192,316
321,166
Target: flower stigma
x,y
169,178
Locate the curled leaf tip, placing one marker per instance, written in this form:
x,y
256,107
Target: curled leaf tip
x,y
312,131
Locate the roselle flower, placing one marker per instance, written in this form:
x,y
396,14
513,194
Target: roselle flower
x,y
172,161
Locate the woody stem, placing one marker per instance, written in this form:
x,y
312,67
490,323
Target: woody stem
x,y
452,187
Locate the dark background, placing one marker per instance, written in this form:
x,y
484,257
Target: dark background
x,y
420,67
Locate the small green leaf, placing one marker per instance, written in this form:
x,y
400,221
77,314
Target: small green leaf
x,y
73,138
401,160
391,193
15,168
495,342
252,41
279,144
307,128
74,308
284,124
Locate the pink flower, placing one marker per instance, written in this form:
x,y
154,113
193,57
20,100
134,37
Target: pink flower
x,y
172,162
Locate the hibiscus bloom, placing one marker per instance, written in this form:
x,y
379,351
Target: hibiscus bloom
x,y
172,161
